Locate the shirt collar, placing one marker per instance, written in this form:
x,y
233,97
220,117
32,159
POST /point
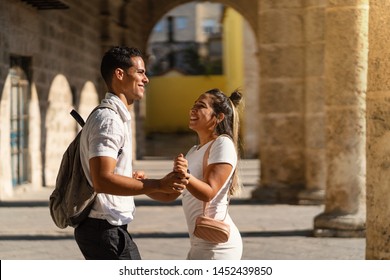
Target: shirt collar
x,y
121,107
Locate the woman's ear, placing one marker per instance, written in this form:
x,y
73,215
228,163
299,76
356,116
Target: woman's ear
x,y
220,117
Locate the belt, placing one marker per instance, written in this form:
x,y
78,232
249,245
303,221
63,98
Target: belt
x,y
101,224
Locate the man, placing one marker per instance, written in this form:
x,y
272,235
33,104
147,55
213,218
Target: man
x,y
106,157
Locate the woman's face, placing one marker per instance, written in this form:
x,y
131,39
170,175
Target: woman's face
x,y
202,116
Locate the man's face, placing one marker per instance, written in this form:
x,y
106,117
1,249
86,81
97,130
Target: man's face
x,y
134,80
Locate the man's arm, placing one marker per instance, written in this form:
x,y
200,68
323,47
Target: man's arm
x,y
164,197
105,181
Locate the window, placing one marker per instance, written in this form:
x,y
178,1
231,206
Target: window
x,y
19,126
181,23
159,27
209,26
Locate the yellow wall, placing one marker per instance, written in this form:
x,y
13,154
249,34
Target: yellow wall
x,y
233,50
170,98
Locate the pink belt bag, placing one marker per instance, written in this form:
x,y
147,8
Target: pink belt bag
x,y
211,230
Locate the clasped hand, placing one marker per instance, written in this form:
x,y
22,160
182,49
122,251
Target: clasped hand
x,y
178,179
180,166
173,182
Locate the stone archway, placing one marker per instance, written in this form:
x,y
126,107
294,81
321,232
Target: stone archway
x,y
138,17
238,72
17,80
60,129
89,99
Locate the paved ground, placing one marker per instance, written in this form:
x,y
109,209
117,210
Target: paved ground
x,y
270,232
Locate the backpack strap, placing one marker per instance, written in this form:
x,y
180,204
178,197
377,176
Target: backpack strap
x,y
77,117
80,119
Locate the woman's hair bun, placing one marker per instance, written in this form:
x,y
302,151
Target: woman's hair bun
x,y
236,97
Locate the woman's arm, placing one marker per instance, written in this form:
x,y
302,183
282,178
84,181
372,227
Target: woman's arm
x,y
215,176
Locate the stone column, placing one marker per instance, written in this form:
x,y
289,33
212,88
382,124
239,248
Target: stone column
x,y
315,152
346,52
378,133
281,134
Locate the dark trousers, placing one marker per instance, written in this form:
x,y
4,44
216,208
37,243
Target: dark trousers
x,y
99,240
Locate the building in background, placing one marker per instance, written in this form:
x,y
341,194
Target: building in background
x,y
214,36
188,39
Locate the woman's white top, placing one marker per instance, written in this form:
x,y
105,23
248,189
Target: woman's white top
x,y
221,151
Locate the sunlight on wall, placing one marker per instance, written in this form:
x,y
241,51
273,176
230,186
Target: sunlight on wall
x,y
5,140
89,99
60,126
34,139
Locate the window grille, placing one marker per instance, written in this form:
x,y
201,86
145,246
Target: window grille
x,y
19,127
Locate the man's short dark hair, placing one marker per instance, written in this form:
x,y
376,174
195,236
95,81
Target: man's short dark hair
x,y
117,57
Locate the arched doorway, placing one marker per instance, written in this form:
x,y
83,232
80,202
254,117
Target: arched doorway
x,y
227,38
17,143
60,128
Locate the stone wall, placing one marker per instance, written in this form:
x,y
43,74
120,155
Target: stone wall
x,y
56,43
378,133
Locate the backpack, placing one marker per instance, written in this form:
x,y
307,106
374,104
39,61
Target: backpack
x,y
73,196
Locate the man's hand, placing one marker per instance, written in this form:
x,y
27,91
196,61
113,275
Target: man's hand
x,y
139,175
173,183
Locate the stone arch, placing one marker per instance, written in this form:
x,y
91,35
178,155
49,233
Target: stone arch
x,y
60,127
248,11
247,8
143,15
89,99
252,96
33,137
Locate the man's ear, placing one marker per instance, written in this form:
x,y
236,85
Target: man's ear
x,y
119,73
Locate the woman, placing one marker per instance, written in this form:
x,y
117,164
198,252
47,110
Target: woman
x,y
214,118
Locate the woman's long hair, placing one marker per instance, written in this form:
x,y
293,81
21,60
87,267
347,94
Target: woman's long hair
x,y
229,125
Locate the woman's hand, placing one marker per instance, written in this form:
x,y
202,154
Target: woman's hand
x,y
180,166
